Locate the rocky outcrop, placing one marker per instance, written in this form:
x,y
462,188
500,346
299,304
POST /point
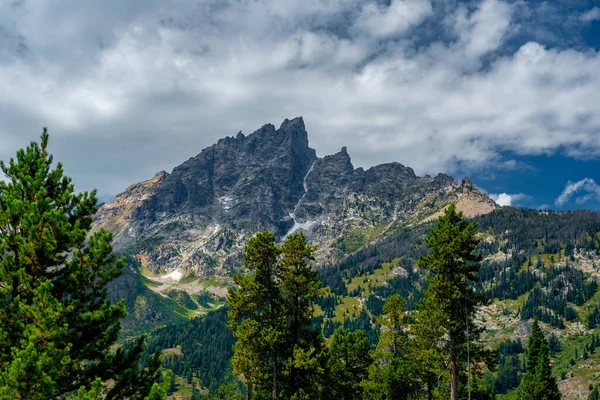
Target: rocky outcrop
x,y
199,217
119,214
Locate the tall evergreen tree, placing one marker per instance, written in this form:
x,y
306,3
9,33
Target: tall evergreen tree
x,y
427,348
534,346
56,323
349,358
537,382
277,353
257,316
300,288
392,374
453,266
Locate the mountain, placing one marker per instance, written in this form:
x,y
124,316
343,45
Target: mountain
x,y
197,219
183,233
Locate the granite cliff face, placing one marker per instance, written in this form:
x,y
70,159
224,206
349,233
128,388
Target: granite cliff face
x,y
198,218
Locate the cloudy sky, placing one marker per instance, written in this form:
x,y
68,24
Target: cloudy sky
x,y
504,91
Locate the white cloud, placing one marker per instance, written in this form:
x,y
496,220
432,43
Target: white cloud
x,y
383,21
591,15
588,187
485,29
127,91
502,199
505,199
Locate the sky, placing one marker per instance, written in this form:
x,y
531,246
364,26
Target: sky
x,y
506,92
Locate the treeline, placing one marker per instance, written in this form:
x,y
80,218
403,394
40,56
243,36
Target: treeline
x,y
525,232
536,232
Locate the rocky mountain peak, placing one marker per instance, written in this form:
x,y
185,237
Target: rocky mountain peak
x,y
295,124
399,172
160,176
442,178
466,184
200,216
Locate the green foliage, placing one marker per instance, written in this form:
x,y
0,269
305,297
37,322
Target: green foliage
x,y
205,345
159,390
594,394
147,309
509,366
183,298
349,360
544,236
56,322
392,375
277,352
257,316
229,390
300,289
450,300
537,382
562,290
95,392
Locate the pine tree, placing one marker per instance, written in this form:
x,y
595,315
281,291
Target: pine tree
x,y
226,391
271,310
427,347
453,265
537,382
534,346
257,316
172,384
349,358
56,323
159,390
392,373
554,345
300,288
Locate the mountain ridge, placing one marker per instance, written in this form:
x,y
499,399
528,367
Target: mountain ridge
x,y
198,217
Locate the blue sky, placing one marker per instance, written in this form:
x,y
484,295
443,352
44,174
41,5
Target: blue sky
x,y
541,180
538,181
506,92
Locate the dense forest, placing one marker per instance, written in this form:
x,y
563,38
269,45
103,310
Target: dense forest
x,y
204,348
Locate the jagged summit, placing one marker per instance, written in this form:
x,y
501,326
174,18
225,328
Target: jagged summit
x,y
200,215
293,124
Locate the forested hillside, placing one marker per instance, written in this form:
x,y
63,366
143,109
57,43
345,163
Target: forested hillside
x,y
534,264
